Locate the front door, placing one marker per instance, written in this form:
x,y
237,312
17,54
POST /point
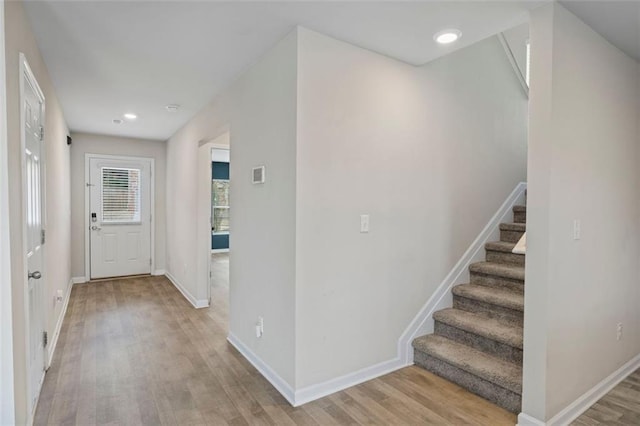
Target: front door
x,y
119,217
32,118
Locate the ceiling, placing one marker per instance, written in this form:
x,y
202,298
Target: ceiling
x,y
107,58
617,21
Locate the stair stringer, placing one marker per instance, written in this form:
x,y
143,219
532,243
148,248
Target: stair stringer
x,y
442,298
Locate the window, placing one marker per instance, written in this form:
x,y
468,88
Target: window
x,y
220,196
120,195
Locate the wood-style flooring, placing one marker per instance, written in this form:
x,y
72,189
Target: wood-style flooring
x,y
134,351
619,407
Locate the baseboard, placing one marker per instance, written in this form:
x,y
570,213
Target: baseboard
x,y
582,404
317,391
267,372
53,343
79,280
158,272
422,323
197,303
214,251
527,420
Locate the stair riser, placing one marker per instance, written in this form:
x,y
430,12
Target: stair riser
x,y
495,281
481,343
506,258
493,311
510,236
520,217
498,395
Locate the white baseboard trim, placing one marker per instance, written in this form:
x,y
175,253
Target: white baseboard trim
x,y
267,372
582,404
197,303
527,420
158,272
213,251
53,343
317,391
79,280
422,323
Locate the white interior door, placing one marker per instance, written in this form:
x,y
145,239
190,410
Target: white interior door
x,y
32,117
120,217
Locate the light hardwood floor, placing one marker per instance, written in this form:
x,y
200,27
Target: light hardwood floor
x,y
134,352
619,407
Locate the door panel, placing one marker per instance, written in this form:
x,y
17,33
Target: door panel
x,y
120,220
32,116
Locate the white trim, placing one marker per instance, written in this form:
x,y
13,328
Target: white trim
x,y
159,272
202,303
319,390
26,75
87,205
214,251
267,372
527,420
78,280
422,323
56,334
512,60
7,403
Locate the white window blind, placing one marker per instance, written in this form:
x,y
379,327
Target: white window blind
x,y
120,195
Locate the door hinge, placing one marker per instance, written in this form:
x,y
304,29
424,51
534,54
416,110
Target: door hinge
x,y
41,133
43,235
45,339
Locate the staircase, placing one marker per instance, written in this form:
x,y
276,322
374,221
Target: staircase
x,y
478,343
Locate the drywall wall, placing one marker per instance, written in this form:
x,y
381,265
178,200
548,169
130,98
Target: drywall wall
x,y
84,143
259,110
7,412
583,165
429,153
57,268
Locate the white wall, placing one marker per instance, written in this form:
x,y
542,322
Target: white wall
x,y
430,153
259,109
84,143
7,412
583,164
56,274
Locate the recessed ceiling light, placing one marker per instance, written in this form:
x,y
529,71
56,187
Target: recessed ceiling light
x,y
172,107
447,36
130,116
117,121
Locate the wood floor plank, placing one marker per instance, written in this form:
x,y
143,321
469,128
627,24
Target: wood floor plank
x,y
135,352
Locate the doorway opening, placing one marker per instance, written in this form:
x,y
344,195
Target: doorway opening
x,y
215,211
118,216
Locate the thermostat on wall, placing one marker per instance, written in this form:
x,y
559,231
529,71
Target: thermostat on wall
x,y
258,175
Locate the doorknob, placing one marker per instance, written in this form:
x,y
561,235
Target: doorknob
x,y
36,275
95,228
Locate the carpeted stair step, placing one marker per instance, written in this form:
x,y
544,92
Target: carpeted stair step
x,y
499,338
520,214
511,232
493,379
502,252
497,275
500,303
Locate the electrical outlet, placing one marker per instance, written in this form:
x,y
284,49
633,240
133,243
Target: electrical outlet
x,y
60,295
619,331
576,229
364,223
260,327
